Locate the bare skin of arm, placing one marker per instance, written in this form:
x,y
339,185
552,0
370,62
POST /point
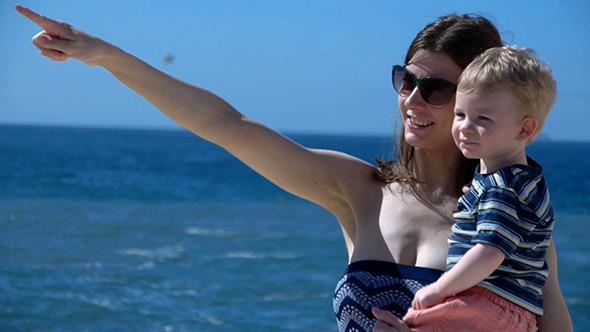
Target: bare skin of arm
x,y
477,263
556,316
340,183
327,178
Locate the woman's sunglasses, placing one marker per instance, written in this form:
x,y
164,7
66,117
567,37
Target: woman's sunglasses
x,y
434,91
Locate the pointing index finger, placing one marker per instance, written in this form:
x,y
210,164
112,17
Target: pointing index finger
x,y
50,26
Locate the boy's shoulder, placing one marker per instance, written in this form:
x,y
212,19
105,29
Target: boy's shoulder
x,y
521,179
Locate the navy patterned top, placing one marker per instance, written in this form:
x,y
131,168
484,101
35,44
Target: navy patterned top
x,y
385,285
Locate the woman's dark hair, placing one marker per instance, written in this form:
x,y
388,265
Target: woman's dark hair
x,y
461,38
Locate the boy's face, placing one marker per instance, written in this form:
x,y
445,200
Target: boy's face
x,y
486,126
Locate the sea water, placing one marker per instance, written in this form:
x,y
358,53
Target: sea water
x,y
154,230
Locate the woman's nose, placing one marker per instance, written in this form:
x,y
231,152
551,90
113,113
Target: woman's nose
x,y
415,99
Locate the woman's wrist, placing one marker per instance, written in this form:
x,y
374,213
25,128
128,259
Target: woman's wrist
x,y
110,57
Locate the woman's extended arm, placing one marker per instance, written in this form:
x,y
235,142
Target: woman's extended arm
x,y
322,177
556,316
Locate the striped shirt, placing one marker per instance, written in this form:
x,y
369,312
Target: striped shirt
x,y
508,209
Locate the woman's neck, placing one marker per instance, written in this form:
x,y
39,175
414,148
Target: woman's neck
x,y
437,171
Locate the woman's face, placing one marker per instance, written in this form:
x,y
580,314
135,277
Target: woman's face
x,y
427,126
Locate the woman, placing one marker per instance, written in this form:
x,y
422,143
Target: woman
x,y
395,218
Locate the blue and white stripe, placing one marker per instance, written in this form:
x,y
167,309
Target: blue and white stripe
x,y
510,210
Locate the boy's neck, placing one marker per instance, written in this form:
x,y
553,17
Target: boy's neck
x,y
490,165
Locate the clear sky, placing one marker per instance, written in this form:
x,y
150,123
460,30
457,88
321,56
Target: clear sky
x,y
298,66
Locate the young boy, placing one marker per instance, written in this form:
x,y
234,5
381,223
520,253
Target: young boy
x,y
496,265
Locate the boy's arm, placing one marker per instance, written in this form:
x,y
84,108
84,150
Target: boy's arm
x,y
477,264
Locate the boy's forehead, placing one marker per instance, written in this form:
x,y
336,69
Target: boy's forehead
x,y
486,100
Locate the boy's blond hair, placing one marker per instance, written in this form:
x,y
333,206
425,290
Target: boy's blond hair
x,y
520,72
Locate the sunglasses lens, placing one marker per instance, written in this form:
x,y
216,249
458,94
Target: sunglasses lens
x,y
403,83
436,92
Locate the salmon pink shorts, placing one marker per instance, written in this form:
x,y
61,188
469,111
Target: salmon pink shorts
x,y
475,309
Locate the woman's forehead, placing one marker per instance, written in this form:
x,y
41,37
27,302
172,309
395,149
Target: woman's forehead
x,y
433,64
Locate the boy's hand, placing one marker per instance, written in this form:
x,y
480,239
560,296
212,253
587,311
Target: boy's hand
x,y
426,297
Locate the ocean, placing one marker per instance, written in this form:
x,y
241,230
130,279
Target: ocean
x,y
158,230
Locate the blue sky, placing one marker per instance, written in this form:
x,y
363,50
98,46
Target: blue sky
x,y
297,66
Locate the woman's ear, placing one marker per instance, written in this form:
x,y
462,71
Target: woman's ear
x,y
528,128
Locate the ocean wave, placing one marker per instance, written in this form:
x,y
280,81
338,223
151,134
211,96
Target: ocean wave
x,y
260,255
155,253
216,232
213,320
221,232
283,297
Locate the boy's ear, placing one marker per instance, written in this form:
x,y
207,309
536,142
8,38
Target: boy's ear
x,y
528,127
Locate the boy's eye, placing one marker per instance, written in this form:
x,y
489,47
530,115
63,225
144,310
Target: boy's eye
x,y
484,118
459,115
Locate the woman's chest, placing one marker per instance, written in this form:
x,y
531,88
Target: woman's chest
x,y
406,231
